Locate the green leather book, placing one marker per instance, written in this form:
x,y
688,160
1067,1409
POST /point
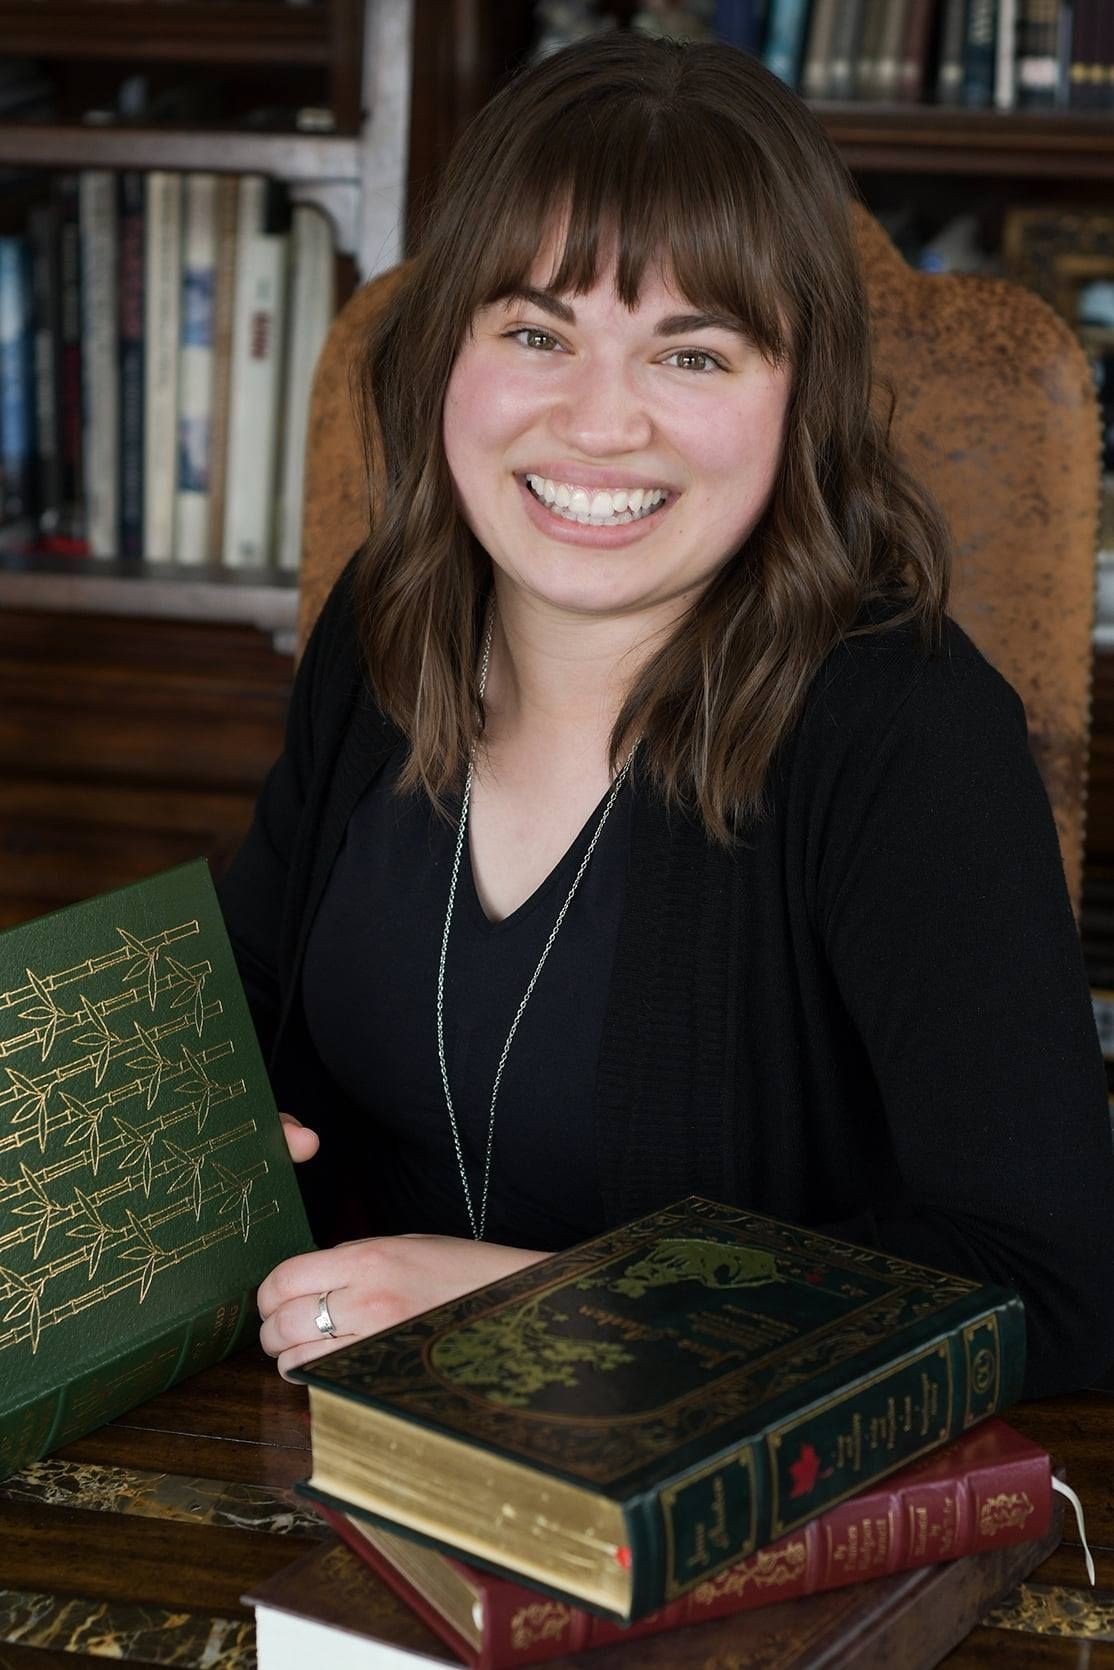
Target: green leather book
x,y
145,1186
623,1420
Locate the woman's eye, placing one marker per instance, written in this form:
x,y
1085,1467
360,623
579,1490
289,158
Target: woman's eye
x,y
531,337
693,359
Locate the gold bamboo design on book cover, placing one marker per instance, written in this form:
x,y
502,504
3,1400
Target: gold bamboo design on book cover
x,y
119,1132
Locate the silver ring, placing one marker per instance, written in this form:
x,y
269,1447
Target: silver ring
x,y
323,1320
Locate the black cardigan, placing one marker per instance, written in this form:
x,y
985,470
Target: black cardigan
x,y
871,1016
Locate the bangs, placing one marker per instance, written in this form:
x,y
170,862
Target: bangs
x,y
638,190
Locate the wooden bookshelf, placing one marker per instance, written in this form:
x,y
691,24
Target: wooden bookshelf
x,y
939,139
197,31
288,156
327,35
264,599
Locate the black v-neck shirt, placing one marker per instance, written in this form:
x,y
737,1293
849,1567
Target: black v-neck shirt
x,y
370,985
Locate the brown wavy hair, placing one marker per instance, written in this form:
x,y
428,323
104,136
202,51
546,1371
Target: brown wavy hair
x,y
694,156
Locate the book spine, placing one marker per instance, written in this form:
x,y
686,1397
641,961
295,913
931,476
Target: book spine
x,y
253,419
223,298
164,272
864,79
914,51
785,39
979,55
115,1384
17,416
1005,69
1038,44
953,31
739,23
890,49
195,370
100,372
1079,70
1100,59
46,326
131,208
312,304
844,48
70,533
818,49
1106,60
849,1439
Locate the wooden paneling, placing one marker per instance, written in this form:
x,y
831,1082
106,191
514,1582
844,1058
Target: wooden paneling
x,y
127,746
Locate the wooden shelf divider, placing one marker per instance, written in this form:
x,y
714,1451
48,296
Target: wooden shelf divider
x,y
195,31
938,139
266,599
287,156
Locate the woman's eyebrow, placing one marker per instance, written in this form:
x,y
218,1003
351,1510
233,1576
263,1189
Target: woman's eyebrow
x,y
674,324
544,300
683,324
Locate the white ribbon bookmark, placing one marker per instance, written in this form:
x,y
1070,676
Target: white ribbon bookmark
x,y
1066,1490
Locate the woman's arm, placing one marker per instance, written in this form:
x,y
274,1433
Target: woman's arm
x,y
254,892
946,921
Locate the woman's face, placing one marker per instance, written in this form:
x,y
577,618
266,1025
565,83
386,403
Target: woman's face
x,y
610,461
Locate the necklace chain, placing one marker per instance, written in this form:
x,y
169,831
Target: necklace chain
x,y
479,1223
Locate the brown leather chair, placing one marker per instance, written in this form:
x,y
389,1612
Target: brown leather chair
x,y
996,410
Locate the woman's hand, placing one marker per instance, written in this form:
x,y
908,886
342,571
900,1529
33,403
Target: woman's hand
x,y
300,1140
371,1284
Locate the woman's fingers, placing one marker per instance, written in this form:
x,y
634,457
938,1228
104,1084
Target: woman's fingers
x,y
294,1323
300,1140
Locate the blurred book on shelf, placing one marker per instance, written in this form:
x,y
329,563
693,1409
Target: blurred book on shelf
x,y
973,54
147,360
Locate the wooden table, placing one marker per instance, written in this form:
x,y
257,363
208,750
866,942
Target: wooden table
x,y
138,1542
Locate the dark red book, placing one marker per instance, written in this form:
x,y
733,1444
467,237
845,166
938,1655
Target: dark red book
x,y
331,1608
990,1489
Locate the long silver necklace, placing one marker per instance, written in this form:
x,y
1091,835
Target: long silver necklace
x,y
461,834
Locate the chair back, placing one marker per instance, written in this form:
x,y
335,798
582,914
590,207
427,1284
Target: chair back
x,y
995,410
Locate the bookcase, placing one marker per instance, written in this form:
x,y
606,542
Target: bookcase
x,y
140,704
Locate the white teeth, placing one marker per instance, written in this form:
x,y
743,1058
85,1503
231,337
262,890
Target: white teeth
x,y
601,508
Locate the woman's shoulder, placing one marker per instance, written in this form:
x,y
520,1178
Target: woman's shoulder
x,y
886,672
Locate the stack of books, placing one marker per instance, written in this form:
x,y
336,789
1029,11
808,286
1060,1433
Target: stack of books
x,y
158,336
705,1415
1007,54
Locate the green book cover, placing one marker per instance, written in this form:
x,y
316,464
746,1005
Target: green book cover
x,y
624,1419
145,1186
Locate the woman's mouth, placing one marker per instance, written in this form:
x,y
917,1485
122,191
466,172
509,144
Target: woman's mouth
x,y
596,507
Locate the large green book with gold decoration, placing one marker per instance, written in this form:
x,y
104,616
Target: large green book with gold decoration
x,y
620,1421
145,1186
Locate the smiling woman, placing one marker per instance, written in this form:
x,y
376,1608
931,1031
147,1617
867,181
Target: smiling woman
x,y
645,827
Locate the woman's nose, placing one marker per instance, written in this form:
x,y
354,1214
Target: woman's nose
x,y
601,413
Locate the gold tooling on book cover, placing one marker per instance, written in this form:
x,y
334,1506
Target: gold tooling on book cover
x,y
102,1148
498,1510
408,1366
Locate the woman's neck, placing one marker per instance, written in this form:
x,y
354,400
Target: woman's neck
x,y
560,675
